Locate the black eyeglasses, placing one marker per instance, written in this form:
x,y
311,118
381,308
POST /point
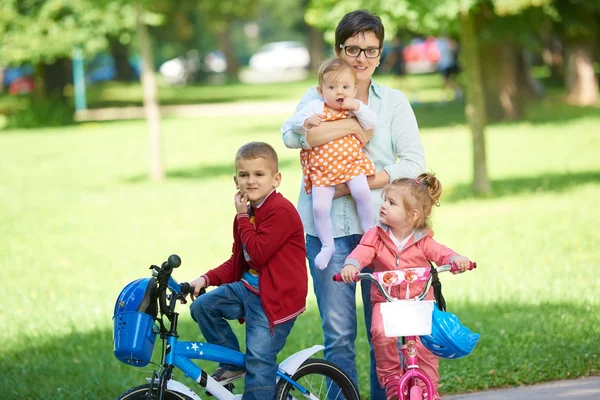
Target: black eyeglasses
x,y
354,51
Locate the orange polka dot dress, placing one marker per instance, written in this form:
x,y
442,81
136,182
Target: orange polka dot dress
x,y
337,161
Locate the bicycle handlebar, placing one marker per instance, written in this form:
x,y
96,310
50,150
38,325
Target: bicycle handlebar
x,y
372,277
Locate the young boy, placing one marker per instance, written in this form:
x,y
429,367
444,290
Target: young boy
x,y
264,282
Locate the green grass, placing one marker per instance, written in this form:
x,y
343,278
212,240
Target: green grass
x,y
420,88
78,221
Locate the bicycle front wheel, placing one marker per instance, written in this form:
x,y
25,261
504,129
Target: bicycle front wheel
x,y
141,393
321,380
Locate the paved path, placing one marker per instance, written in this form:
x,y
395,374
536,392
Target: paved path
x,y
580,389
245,108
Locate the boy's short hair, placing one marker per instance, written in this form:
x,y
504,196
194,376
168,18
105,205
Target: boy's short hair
x,y
253,150
335,65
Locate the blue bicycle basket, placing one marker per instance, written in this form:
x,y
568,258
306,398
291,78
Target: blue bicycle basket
x,y
449,338
134,331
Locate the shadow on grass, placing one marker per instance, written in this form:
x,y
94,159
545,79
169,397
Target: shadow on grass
x,y
203,172
520,344
555,183
547,111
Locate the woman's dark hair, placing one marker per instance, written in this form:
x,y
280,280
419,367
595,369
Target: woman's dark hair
x,y
356,22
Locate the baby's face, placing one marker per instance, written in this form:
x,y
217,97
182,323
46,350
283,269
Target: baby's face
x,y
336,87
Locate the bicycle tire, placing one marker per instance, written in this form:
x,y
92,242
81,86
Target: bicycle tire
x,y
140,392
319,370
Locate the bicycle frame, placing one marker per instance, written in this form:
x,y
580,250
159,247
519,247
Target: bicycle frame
x,y
179,354
408,350
410,368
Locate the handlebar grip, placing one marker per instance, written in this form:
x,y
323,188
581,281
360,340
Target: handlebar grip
x,y
472,266
186,289
338,277
174,261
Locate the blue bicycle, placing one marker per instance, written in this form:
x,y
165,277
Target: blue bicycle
x,y
144,310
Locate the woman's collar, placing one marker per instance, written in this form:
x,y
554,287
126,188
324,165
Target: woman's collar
x,y
375,88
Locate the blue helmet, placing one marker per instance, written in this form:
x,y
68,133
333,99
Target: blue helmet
x,y
137,296
449,338
134,331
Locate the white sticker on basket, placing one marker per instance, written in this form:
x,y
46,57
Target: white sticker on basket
x,y
407,318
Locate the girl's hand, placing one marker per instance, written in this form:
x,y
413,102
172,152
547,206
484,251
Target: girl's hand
x,y
198,284
349,273
461,262
350,103
313,122
241,202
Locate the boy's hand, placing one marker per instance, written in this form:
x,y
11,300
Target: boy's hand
x,y
462,263
313,122
349,273
350,103
241,202
198,284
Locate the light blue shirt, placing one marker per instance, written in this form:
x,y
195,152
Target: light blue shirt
x,y
395,147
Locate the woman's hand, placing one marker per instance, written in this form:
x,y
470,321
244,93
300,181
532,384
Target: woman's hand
x,y
341,190
349,273
332,130
364,135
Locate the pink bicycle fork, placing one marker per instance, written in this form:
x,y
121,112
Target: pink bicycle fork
x,y
412,373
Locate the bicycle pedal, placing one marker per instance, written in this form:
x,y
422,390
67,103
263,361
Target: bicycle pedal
x,y
229,386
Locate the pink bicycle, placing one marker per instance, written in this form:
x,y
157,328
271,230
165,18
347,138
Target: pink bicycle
x,y
440,332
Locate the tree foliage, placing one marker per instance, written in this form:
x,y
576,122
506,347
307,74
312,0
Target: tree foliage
x,y
43,30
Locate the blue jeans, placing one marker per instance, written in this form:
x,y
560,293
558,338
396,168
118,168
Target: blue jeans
x,y
234,301
337,307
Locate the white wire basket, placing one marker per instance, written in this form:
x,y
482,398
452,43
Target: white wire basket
x,y
407,318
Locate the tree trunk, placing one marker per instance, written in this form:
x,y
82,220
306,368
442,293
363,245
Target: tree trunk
x,y
121,55
316,47
475,109
1,80
581,81
528,85
499,64
226,46
150,88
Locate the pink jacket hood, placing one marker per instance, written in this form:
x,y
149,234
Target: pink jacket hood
x,y
377,249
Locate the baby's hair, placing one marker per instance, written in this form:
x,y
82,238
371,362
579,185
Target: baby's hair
x,y
253,150
425,192
336,66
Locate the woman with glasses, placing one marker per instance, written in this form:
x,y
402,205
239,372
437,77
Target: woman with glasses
x,y
396,150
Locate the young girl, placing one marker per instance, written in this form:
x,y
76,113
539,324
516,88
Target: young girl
x,y
403,240
339,161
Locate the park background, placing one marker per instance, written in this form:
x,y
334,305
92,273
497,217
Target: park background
x,y
93,190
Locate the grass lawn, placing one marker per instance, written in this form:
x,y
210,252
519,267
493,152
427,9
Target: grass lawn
x,y
420,88
79,220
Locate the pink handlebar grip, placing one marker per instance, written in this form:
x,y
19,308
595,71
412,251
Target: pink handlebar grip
x,y
472,266
338,277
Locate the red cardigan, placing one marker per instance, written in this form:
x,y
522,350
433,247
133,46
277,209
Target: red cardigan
x,y
275,243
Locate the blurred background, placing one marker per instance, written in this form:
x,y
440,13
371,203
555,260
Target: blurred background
x,y
119,121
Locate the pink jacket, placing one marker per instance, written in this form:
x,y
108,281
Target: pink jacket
x,y
376,248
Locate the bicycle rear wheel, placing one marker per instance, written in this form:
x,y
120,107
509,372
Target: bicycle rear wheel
x,y
141,392
322,380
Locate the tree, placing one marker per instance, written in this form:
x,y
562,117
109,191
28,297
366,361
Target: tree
x,y
470,18
218,17
577,23
45,32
